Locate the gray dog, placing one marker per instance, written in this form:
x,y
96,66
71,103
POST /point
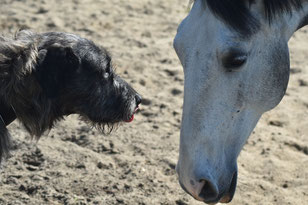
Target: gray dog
x,y
44,77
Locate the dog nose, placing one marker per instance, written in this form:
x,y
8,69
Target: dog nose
x,y
138,99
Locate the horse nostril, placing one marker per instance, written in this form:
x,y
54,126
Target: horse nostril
x,y
208,192
138,99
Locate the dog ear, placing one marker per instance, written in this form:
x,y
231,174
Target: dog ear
x,y
55,67
7,112
5,140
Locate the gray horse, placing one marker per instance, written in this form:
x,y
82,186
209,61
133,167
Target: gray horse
x,y
236,64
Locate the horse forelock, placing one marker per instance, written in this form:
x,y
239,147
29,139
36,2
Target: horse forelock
x,y
237,15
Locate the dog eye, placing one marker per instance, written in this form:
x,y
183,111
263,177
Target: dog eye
x,y
106,75
234,60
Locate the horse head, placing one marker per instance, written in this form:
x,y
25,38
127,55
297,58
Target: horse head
x,y
236,65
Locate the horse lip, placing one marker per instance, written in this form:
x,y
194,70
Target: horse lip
x,y
211,202
227,198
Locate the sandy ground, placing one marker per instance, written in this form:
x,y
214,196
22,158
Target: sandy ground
x,y
74,164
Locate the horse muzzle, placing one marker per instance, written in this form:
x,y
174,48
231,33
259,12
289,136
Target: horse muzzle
x,y
205,189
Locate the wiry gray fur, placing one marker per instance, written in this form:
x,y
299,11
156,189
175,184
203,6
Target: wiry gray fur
x,y
44,77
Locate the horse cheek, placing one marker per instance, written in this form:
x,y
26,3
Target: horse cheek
x,y
273,79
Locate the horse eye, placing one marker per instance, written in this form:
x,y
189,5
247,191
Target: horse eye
x,y
234,60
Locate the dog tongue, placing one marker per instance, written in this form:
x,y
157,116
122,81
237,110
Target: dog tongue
x,y
131,119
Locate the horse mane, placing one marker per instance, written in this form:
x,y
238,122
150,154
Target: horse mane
x,y
237,15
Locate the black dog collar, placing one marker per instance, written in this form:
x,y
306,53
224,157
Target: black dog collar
x,y
7,113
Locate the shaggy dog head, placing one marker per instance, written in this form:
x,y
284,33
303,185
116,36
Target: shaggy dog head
x,y
44,77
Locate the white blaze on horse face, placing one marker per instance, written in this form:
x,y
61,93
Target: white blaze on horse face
x,y
221,108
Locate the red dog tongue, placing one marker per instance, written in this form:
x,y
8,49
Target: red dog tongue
x,y
131,119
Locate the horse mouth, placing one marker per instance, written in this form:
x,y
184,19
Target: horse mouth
x,y
229,196
226,199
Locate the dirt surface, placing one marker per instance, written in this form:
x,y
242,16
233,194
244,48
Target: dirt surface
x,y
74,164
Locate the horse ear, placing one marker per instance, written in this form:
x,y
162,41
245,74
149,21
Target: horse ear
x,y
54,68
